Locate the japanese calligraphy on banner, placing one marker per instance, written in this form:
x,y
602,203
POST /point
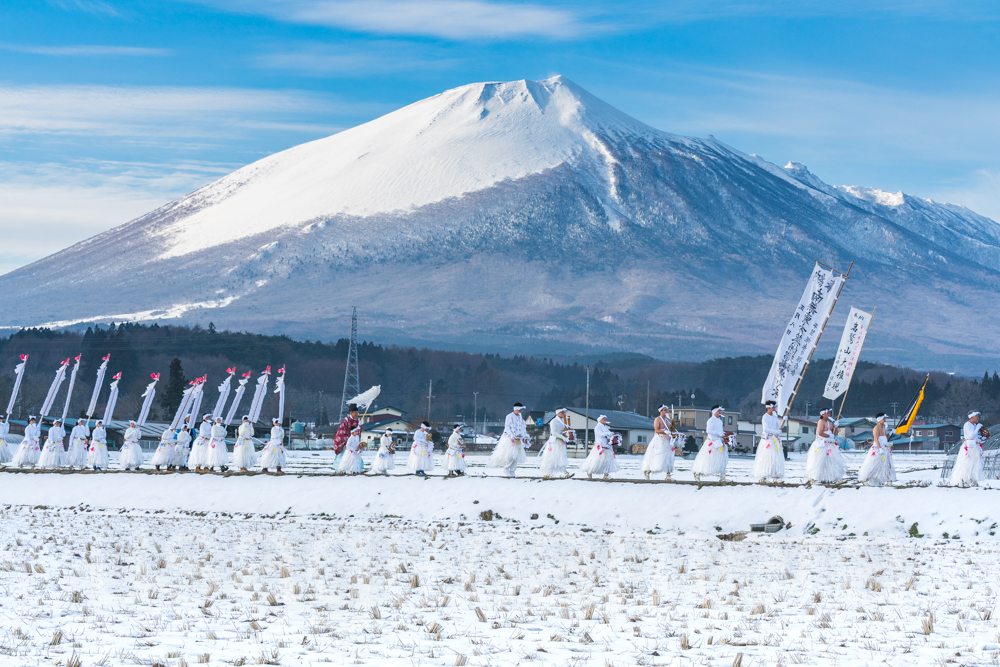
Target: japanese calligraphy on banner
x,y
801,335
848,353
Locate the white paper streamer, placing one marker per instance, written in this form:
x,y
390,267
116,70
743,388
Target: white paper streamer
x,y
69,391
18,374
97,388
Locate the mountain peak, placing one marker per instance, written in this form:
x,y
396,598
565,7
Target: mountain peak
x,y
463,140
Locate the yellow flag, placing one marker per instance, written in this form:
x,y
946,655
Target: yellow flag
x,y
911,413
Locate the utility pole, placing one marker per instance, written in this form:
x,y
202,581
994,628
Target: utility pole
x,y
475,407
895,405
352,385
430,384
586,422
647,399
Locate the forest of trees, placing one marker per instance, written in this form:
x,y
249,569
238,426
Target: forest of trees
x,y
316,375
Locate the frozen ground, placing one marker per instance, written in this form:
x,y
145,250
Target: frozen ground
x,y
306,569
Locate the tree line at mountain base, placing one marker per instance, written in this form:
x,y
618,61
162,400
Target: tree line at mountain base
x,y
462,384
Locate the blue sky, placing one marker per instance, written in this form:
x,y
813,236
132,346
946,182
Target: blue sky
x,y
109,109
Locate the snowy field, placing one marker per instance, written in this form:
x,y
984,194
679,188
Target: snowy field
x,y
308,569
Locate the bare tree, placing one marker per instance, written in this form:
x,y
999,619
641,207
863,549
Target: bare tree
x,y
960,399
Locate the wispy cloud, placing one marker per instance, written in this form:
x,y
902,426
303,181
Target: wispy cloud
x,y
89,6
86,50
47,207
357,60
448,19
696,10
163,112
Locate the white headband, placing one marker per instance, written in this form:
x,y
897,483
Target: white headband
x,y
880,419
974,413
662,408
602,417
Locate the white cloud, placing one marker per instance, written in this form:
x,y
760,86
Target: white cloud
x,y
85,50
449,19
363,60
980,191
47,207
161,113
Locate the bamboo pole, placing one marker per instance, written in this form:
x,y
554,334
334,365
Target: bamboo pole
x,y
841,411
795,392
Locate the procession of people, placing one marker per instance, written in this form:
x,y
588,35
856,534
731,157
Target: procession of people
x,y
825,463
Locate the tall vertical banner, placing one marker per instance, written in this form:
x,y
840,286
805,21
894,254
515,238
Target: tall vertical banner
x,y
851,342
801,336
19,375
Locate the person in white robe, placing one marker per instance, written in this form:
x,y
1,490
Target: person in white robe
x,y
76,455
454,458
130,456
53,453
659,456
713,457
422,452
181,448
352,463
555,459
199,450
601,460
244,456
769,462
968,470
825,464
97,456
217,454
6,451
510,450
385,458
28,452
273,455
164,454
877,468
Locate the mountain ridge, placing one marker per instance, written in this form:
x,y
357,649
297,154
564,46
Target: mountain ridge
x,y
527,214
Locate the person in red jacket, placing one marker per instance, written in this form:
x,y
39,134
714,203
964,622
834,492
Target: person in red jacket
x,y
344,432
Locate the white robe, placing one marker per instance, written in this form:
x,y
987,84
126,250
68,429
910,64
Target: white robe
x,y
421,453
509,452
273,455
244,456
199,451
601,460
659,456
6,451
76,455
164,454
825,462
351,462
554,457
877,468
385,460
97,456
218,455
968,470
130,457
52,453
454,458
769,463
181,450
713,457
27,454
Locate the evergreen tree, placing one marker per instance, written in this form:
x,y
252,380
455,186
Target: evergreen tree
x,y
174,392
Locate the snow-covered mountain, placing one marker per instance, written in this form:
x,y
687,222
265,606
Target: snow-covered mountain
x,y
531,216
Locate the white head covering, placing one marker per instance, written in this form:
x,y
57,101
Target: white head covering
x,y
662,408
558,410
716,408
974,413
880,417
602,418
